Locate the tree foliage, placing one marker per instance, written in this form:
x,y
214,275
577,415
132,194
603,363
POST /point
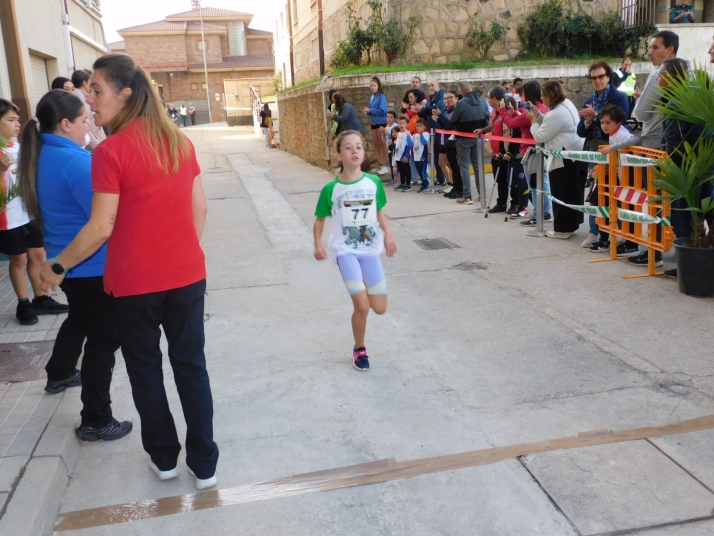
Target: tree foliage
x,y
552,31
369,37
481,38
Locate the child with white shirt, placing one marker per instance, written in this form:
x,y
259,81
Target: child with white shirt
x,y
421,153
612,118
359,234
402,156
391,125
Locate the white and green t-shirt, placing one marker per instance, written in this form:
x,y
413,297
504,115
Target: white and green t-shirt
x,y
353,207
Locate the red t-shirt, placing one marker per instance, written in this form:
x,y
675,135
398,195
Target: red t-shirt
x,y
154,246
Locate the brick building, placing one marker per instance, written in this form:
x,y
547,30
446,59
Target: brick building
x,y
237,57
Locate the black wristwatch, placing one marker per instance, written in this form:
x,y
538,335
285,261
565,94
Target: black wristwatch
x,y
56,267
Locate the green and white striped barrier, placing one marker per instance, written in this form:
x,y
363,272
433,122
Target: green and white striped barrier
x,y
603,212
640,217
632,160
596,157
580,156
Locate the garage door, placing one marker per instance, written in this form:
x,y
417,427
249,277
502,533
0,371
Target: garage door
x,y
39,84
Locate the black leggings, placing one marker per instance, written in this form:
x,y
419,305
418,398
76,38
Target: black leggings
x,y
458,184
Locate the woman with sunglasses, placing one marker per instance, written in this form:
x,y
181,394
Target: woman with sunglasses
x,y
601,75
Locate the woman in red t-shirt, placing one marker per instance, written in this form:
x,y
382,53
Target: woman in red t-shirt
x,y
149,207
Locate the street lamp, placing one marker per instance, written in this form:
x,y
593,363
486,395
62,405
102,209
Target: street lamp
x,y
196,4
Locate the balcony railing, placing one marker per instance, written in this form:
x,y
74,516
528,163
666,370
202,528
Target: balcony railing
x,y
635,12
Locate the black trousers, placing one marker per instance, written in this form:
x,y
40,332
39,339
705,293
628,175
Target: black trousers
x,y
565,186
405,172
519,185
500,169
140,319
67,348
90,314
451,157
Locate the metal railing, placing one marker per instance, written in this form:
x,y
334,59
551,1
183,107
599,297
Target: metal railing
x,y
634,12
257,106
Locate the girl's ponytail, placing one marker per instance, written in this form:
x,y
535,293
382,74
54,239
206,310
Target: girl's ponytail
x,y
30,143
53,107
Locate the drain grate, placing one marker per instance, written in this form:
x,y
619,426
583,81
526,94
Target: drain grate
x,y
435,243
24,361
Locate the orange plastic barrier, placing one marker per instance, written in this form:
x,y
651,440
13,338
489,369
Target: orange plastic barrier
x,y
638,183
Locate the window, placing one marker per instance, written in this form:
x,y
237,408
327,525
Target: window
x,y
294,13
203,85
194,86
201,45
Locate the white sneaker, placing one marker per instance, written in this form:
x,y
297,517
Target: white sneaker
x,y
164,475
447,189
590,240
383,170
203,483
562,236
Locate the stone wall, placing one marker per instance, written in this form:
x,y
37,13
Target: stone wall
x,y
441,35
301,115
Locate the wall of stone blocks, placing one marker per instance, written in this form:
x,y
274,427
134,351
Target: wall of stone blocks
x,y
301,115
441,36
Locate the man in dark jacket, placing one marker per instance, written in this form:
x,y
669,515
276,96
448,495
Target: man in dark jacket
x,y
436,102
470,113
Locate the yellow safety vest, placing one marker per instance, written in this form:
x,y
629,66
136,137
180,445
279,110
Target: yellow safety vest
x,y
628,86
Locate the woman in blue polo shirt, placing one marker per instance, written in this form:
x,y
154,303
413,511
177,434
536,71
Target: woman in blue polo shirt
x,y
56,186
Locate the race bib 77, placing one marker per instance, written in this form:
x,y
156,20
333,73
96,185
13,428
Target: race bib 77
x,y
358,212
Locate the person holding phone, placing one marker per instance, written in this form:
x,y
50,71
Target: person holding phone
x,y
682,14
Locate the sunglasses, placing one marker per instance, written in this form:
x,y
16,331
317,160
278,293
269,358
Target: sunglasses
x,y
598,77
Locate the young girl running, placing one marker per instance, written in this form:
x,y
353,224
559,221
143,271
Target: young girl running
x,y
359,234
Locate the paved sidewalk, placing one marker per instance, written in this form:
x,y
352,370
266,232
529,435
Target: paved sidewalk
x,y
505,340
10,329
25,408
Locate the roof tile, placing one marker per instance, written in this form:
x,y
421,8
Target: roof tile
x,y
237,61
171,26
210,12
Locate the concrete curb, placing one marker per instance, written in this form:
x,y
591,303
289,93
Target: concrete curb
x,y
35,502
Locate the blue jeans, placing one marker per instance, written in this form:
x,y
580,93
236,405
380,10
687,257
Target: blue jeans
x,y
467,154
421,169
547,203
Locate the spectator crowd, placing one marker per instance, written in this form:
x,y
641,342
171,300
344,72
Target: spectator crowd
x,y
617,114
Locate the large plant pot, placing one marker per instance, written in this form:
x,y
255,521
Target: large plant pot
x,y
695,270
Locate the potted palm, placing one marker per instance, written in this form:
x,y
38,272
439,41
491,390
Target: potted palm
x,y
689,177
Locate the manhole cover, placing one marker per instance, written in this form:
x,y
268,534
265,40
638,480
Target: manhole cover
x,y
24,361
435,243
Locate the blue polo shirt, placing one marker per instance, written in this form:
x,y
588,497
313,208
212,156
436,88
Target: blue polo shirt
x,y
64,191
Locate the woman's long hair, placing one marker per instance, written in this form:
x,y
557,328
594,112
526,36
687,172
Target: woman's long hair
x,y
531,91
160,135
339,101
419,95
554,92
55,106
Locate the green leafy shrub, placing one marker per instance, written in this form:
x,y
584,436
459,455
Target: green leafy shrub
x,y
277,81
551,31
368,37
481,39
